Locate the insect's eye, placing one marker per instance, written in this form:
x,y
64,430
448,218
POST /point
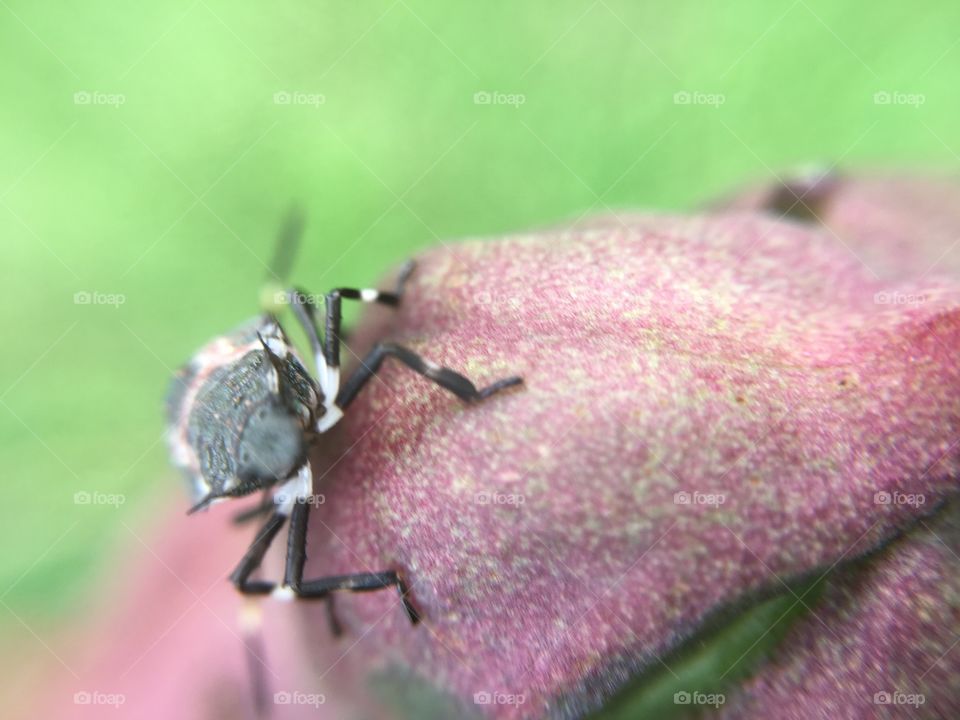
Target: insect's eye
x,y
271,445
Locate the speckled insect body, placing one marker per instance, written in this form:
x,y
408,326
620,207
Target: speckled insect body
x,y
237,414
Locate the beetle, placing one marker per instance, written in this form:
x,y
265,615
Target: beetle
x,y
244,412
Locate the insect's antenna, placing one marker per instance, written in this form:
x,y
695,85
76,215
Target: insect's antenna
x,y
288,243
284,254
251,628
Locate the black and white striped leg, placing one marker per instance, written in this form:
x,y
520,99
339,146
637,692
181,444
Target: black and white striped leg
x,y
330,378
254,556
299,486
380,296
368,295
290,502
444,377
323,587
327,378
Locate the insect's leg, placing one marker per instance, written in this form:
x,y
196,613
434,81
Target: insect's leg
x,y
330,380
327,376
333,332
331,346
323,587
380,296
262,508
297,487
254,556
444,377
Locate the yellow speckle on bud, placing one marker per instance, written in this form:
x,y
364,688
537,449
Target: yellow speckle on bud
x,y
273,298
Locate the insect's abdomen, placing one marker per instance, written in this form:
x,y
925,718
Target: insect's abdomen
x,y
227,399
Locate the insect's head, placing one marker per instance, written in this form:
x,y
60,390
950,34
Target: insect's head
x,y
271,446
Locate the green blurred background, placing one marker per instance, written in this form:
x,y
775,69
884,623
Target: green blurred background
x,y
150,150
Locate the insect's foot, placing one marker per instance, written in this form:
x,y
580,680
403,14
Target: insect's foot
x,y
411,612
404,592
498,386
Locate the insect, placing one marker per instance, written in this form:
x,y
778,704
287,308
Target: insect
x,y
245,411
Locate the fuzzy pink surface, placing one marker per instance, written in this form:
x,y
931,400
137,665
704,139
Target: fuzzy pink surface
x,y
541,531
891,626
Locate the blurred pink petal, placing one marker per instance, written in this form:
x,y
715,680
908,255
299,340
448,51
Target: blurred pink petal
x,y
880,643
897,225
169,644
